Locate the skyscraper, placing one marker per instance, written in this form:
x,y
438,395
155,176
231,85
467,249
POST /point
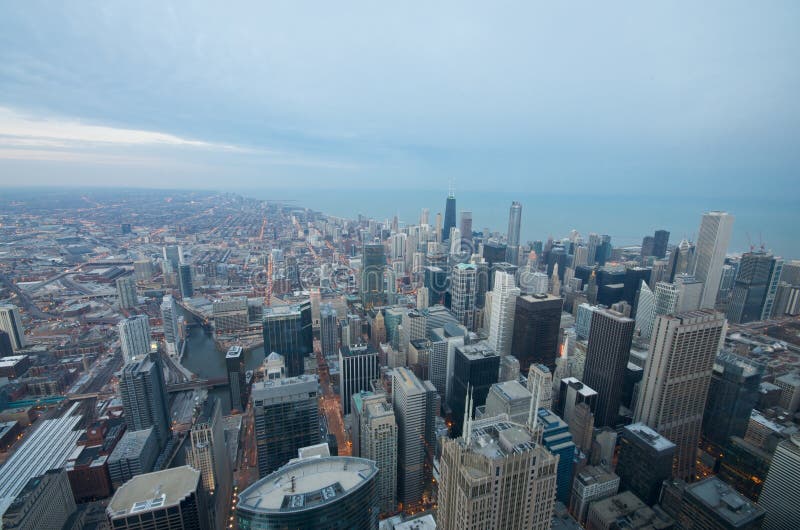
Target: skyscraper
x,y
414,408
496,475
754,288
288,330
328,330
372,275
645,311
208,454
645,461
512,237
712,244
449,216
676,379
234,366
378,442
733,393
169,316
185,279
504,303
172,498
465,227
332,492
537,320
540,385
557,438
358,366
286,417
144,396
475,369
126,292
463,294
46,501
606,358
11,323
781,496
660,242
134,337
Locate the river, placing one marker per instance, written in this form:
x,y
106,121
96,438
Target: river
x,y
202,358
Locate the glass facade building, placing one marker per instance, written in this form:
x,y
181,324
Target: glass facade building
x,y
330,492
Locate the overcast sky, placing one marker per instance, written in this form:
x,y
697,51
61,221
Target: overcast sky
x,y
558,96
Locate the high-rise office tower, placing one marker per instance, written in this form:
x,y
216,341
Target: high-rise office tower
x,y
645,311
711,503
537,319
6,348
781,496
712,244
647,248
512,236
677,375
174,255
288,330
754,288
510,398
645,461
790,391
126,292
414,403
463,294
540,385
606,358
143,270
358,366
557,438
208,454
144,396
501,321
378,442
660,242
169,316
331,492
667,297
465,227
439,229
172,498
286,418
372,275
449,216
328,330
424,216
11,323
732,395
475,369
46,501
234,366
592,246
185,279
591,484
134,337
496,475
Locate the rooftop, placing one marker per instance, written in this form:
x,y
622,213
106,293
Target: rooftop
x,y
308,484
233,352
512,390
11,360
497,437
131,444
649,436
144,493
724,501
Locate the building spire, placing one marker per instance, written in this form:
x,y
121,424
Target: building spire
x,y
533,412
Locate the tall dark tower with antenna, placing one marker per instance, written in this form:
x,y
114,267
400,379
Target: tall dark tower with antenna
x,y
449,214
